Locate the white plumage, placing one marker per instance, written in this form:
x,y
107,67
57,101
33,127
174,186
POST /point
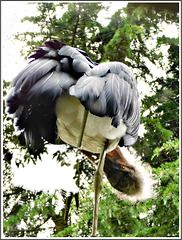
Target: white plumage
x,y
70,113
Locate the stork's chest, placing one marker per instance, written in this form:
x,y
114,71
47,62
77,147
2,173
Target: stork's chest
x,y
70,113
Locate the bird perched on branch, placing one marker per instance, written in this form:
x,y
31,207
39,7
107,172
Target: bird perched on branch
x,y
62,93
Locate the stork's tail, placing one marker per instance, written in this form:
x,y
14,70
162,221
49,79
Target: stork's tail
x,y
131,179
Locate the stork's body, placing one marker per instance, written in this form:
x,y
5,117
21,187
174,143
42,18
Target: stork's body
x,y
63,93
98,130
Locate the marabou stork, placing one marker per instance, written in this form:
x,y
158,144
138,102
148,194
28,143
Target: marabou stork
x,y
94,107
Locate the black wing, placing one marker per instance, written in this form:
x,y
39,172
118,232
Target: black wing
x,y
33,93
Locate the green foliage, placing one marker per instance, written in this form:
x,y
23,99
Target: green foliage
x,y
163,212
126,38
29,213
158,217
21,212
168,147
69,232
120,44
150,15
84,26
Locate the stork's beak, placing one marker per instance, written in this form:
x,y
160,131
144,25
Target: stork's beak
x,y
118,159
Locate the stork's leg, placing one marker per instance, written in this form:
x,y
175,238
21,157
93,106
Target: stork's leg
x,y
98,183
85,115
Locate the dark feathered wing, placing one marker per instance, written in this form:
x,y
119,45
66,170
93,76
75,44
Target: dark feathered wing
x,y
109,89
33,93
